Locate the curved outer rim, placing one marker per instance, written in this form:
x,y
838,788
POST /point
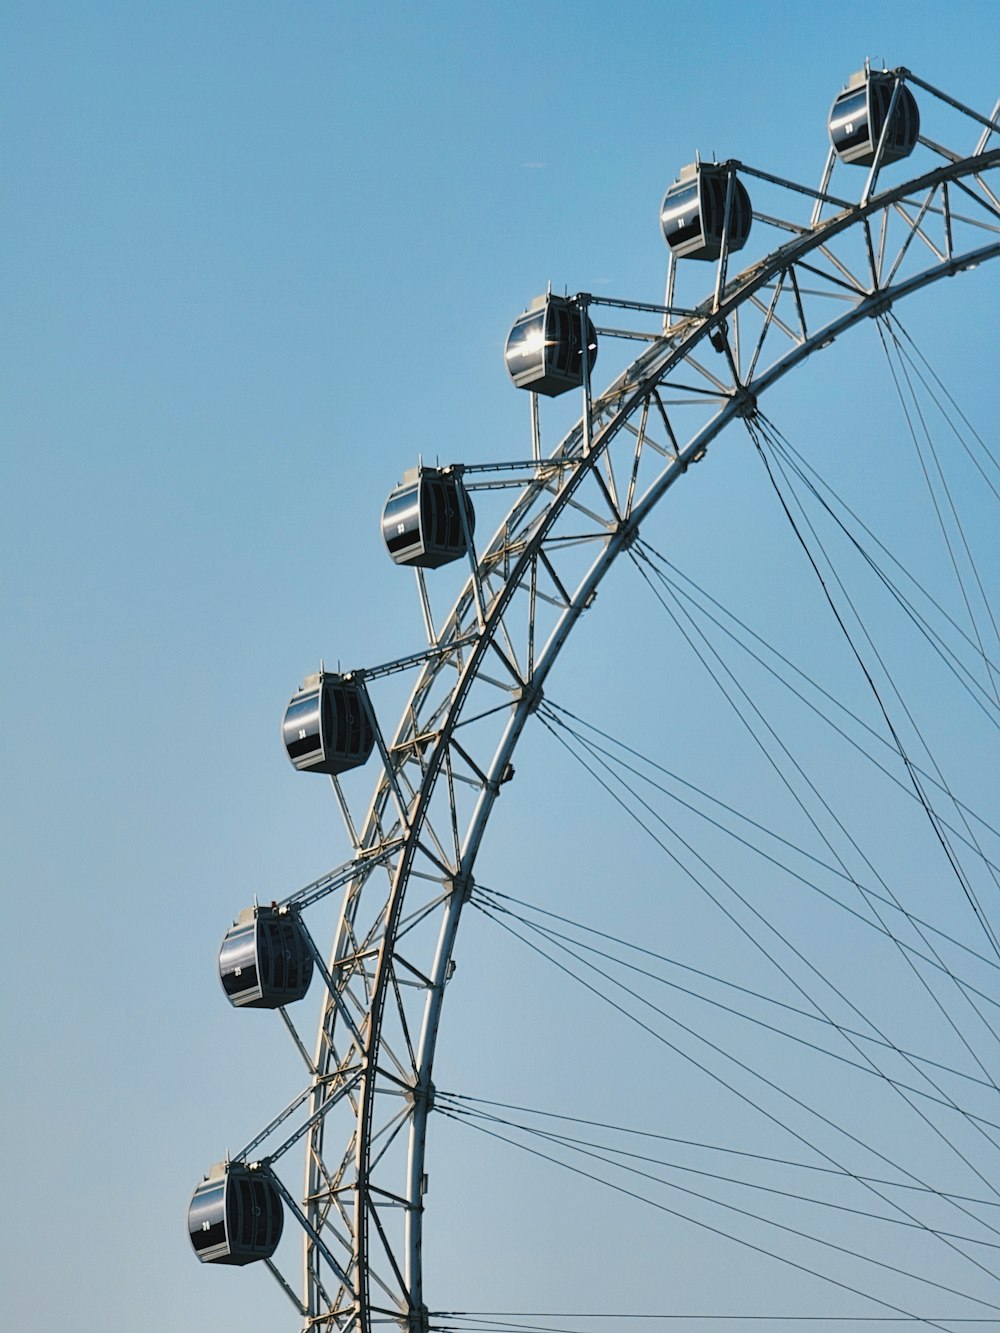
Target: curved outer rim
x,y
630,390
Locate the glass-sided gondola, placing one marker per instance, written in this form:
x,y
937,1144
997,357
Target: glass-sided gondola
x,y
328,725
859,113
422,520
235,1216
265,960
544,347
693,212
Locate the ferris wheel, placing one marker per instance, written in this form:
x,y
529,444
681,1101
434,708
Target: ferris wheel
x,y
895,210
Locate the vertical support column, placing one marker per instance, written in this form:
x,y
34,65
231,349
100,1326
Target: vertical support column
x,y
345,812
720,275
583,301
536,432
668,295
390,771
463,518
883,139
992,128
824,185
425,606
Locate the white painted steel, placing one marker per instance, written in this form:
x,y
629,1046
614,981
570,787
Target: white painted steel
x,y
363,1306
478,684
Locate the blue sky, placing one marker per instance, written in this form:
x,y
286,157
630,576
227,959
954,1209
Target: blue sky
x,y
257,257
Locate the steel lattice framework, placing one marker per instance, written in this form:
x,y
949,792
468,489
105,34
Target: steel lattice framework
x,y
364,1110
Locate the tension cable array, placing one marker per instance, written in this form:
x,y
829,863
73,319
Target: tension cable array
x,y
596,977
586,1152
763,432
668,829
504,910
788,770
591,956
915,418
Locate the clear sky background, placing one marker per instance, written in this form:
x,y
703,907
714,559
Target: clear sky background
x,y
256,257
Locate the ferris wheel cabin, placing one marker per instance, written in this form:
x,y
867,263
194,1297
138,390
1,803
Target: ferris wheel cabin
x,y
235,1216
858,117
693,213
265,960
544,348
328,726
422,520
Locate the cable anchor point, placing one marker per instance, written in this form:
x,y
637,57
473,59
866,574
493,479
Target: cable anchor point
x,y
745,403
